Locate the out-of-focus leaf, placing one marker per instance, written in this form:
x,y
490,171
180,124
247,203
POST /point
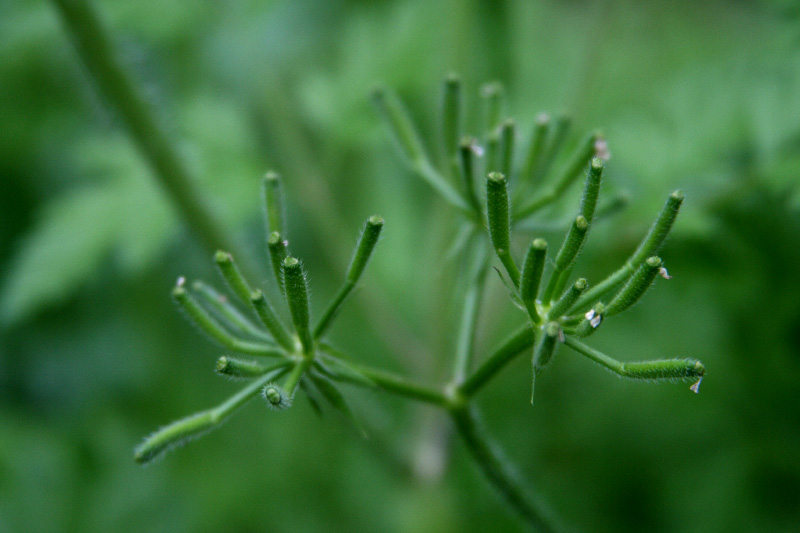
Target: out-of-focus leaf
x,y
67,245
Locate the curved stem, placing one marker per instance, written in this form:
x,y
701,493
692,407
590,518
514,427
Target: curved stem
x,y
499,473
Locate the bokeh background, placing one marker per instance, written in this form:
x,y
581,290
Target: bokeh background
x,y
701,96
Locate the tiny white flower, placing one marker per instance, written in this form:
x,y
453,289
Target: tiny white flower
x,y
663,273
596,321
696,387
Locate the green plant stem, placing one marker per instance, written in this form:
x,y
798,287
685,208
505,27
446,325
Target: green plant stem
x,y
271,321
183,430
296,375
227,313
388,382
95,47
215,331
498,472
364,249
520,340
465,343
650,245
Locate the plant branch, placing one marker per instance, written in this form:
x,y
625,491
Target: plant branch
x,y
387,381
521,340
498,471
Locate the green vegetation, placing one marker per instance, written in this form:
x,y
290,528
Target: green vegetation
x,y
132,142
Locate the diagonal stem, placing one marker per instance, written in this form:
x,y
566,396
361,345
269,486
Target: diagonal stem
x,y
498,472
95,47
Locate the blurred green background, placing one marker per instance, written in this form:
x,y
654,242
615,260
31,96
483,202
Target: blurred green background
x,y
701,96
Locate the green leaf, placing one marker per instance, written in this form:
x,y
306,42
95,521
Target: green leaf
x,y
72,238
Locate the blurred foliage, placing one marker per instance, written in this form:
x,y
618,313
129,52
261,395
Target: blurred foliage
x,y
696,95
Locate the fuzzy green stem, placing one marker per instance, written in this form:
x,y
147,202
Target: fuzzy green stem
x,y
297,296
215,331
180,432
229,315
657,370
364,248
571,171
271,320
507,136
273,203
521,340
233,276
532,270
498,472
636,286
296,374
500,223
467,156
568,299
650,245
591,189
569,251
277,253
387,381
242,369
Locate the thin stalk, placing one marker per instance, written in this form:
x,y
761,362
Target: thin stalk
x,y
389,382
508,132
499,473
405,134
500,223
272,195
649,246
567,254
657,370
467,156
533,157
297,297
452,113
558,135
296,375
520,340
234,368
230,316
182,431
569,174
214,329
96,49
270,320
364,248
277,253
465,343
532,270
